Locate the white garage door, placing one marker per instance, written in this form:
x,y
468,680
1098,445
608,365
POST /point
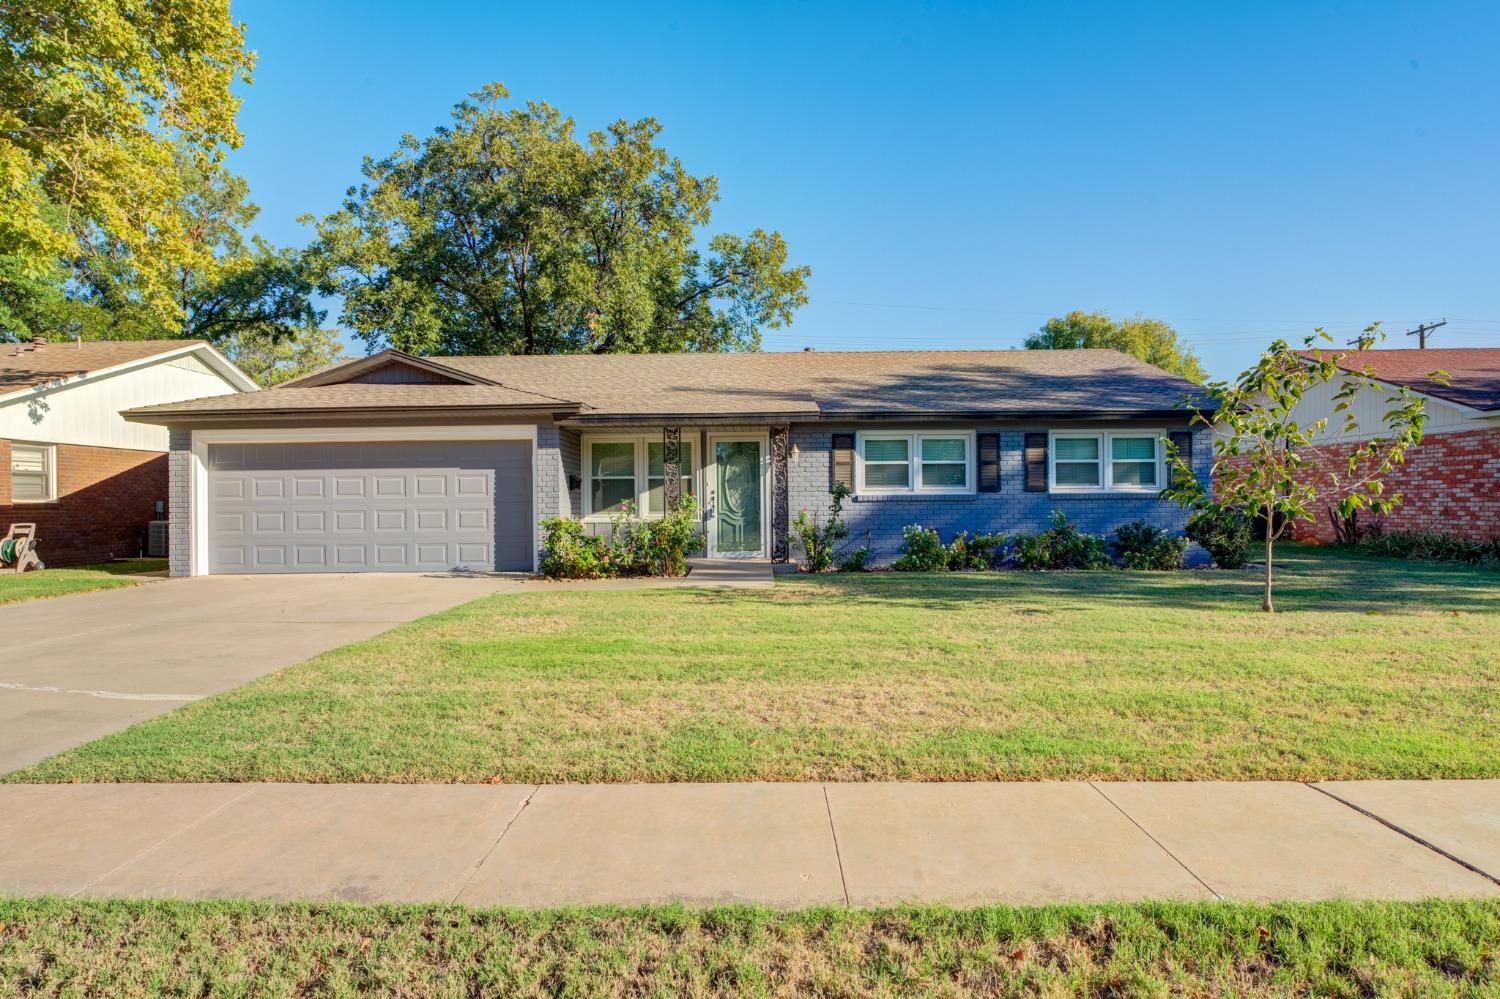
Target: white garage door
x,y
369,507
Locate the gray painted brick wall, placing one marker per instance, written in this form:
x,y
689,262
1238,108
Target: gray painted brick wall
x,y
551,499
572,463
878,520
179,501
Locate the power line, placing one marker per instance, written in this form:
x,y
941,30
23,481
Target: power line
x,y
1421,333
923,307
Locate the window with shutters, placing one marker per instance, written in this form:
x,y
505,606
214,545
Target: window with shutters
x,y
911,462
1114,461
32,473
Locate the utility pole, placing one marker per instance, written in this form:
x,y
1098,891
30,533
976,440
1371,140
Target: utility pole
x,y
1421,333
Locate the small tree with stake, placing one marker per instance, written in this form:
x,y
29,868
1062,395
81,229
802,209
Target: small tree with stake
x,y
1264,456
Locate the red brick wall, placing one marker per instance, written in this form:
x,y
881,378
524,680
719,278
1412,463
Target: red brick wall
x,y
105,499
1450,484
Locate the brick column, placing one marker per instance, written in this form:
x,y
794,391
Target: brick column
x,y
180,501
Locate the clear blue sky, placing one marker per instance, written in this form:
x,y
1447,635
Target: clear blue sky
x,y
956,173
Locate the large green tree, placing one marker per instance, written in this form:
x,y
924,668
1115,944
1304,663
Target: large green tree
x,y
248,298
98,100
504,233
1151,340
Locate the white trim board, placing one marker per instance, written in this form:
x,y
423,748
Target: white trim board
x,y
201,439
217,361
710,465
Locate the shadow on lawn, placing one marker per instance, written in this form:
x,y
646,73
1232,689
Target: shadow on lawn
x,y
1306,582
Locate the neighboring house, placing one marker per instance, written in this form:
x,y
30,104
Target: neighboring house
x,y
395,462
1450,483
68,462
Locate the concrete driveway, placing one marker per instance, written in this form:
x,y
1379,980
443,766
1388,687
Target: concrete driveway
x,y
75,668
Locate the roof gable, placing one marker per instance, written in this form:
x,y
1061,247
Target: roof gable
x,y
390,367
30,368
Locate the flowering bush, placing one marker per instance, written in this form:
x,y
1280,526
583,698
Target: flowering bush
x,y
921,550
816,537
635,547
1061,546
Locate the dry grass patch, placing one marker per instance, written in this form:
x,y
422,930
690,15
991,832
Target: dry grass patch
x,y
126,949
1375,669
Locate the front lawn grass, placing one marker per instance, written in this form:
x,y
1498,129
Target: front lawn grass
x,y
1375,668
80,579
125,948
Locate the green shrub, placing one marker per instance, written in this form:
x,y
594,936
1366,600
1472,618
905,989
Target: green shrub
x,y
569,553
634,547
856,561
1429,546
1141,546
1224,532
816,537
1061,546
977,552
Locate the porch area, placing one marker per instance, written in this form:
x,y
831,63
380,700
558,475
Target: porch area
x,y
737,475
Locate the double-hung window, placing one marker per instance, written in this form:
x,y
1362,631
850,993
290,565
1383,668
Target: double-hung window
x,y
622,470
611,475
1115,461
916,462
31,473
655,499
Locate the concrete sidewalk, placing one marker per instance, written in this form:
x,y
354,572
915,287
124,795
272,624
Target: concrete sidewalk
x,y
786,845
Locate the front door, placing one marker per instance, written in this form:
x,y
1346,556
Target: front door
x,y
737,497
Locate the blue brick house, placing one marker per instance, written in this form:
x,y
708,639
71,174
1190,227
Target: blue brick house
x,y
393,462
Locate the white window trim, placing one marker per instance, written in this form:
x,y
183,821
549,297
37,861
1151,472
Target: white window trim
x,y
642,473
1106,462
914,463
49,455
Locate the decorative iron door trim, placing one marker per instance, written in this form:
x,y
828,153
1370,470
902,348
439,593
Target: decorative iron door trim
x,y
780,500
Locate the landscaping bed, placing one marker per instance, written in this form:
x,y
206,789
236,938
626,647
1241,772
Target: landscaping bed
x,y
1376,668
57,947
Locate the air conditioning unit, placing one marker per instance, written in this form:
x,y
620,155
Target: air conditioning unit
x,y
156,539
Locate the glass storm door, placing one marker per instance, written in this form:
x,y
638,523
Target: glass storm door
x,y
736,524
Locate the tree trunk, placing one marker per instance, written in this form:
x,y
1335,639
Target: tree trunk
x,y
1265,603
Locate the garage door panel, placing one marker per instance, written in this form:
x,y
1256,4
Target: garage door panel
x,y
309,521
309,487
270,556
370,506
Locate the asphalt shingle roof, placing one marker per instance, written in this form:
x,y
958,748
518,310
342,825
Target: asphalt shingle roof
x,y
826,384
23,366
1473,372
835,383
357,396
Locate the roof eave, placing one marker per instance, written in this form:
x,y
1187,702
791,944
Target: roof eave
x,y
185,417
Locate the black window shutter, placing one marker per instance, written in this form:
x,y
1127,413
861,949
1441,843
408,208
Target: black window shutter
x,y
1182,440
989,462
842,469
1036,463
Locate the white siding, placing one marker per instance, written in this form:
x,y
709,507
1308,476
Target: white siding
x,y
88,411
1369,412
